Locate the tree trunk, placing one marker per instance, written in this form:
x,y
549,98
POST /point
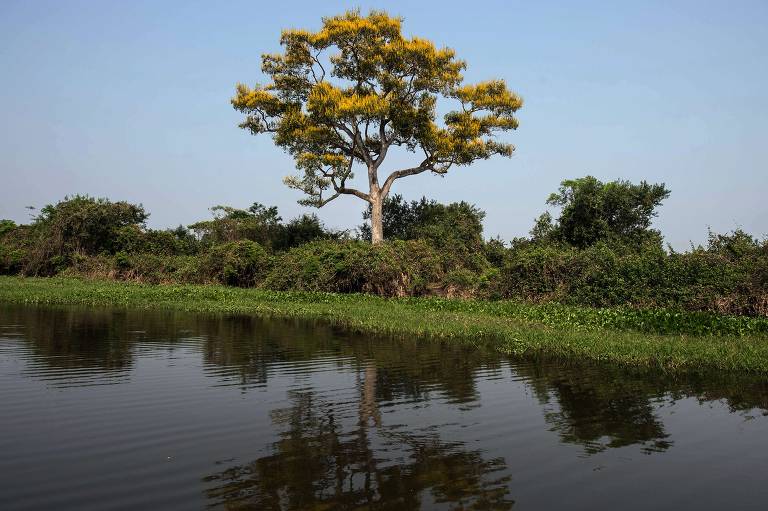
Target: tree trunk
x,y
377,219
369,408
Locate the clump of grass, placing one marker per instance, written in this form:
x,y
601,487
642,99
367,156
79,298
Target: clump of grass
x,y
649,338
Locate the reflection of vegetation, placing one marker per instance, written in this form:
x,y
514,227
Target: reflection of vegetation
x,y
598,406
587,417
73,338
320,464
739,392
247,345
603,406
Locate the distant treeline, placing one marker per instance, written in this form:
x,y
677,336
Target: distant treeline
x,y
599,251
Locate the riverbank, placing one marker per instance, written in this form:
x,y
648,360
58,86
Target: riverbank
x,y
650,338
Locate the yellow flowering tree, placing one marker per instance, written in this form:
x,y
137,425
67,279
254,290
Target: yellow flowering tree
x,y
342,97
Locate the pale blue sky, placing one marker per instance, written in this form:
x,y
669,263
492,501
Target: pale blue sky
x,y
130,100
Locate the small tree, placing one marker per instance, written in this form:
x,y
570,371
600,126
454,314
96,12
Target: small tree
x,y
348,93
86,224
594,211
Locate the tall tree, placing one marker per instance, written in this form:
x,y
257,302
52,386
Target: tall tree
x,y
345,95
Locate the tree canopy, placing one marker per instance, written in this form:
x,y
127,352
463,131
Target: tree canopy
x,y
348,93
593,211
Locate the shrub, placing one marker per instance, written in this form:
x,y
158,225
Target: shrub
x,y
608,274
260,224
495,252
123,261
11,259
238,263
395,268
12,252
593,211
460,282
257,223
301,230
133,239
79,224
536,272
142,267
455,230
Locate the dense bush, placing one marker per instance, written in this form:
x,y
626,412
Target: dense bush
x,y
260,224
12,247
238,263
609,274
134,239
535,272
397,268
300,230
87,225
142,267
77,225
455,230
11,259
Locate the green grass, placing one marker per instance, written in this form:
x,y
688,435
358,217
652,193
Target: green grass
x,y
650,338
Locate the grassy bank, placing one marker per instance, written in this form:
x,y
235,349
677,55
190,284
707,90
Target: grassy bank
x,y
661,338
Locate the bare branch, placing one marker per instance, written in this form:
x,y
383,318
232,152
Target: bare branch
x,y
425,165
355,136
317,60
341,189
356,193
322,202
384,143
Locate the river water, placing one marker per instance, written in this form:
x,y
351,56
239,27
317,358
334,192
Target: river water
x,y
115,409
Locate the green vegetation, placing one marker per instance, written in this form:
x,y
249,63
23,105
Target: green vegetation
x,y
434,250
537,295
619,335
260,224
593,211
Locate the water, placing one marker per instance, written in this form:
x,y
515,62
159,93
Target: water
x,y
110,409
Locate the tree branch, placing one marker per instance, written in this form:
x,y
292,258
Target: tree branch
x,y
322,202
339,188
316,58
425,165
357,139
356,193
384,143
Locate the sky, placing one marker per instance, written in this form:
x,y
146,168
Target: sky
x,y
130,101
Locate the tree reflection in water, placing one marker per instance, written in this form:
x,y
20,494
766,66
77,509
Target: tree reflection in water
x,y
599,411
318,463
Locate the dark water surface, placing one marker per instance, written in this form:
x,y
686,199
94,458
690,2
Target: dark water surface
x,y
111,409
